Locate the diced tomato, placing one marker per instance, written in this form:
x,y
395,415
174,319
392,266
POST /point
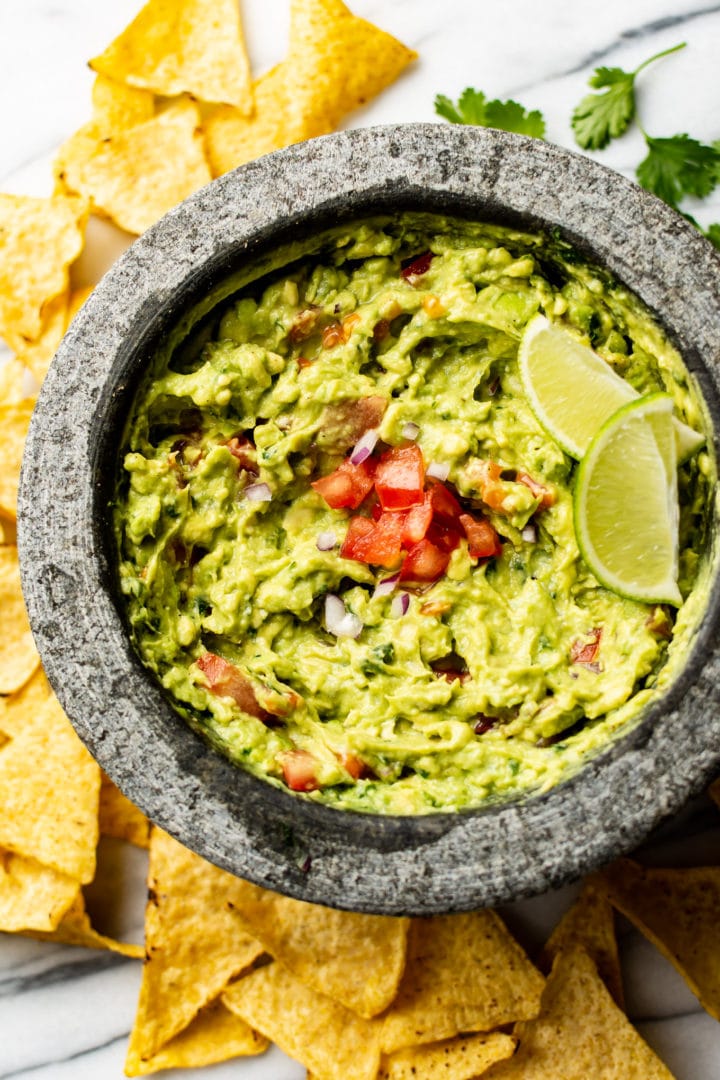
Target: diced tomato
x,y
417,522
381,330
444,534
244,452
348,485
400,477
226,680
419,266
305,323
353,765
376,543
483,541
424,562
586,652
547,496
442,500
299,770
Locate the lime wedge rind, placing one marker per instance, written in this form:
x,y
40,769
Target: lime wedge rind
x,y
572,391
626,505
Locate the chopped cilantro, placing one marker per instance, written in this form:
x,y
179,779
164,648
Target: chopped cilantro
x,y
713,234
473,108
604,116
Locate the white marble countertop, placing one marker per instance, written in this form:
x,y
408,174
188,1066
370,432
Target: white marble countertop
x,y
66,1012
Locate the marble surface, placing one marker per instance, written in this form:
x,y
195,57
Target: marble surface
x,y
66,1012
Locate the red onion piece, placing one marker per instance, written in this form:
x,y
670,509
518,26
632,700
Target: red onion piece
x,y
364,446
410,431
438,471
326,541
386,586
529,534
400,605
338,620
258,493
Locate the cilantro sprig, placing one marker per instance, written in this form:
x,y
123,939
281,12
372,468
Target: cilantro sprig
x,y
473,107
607,115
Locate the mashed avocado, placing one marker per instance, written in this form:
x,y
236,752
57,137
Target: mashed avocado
x,y
349,411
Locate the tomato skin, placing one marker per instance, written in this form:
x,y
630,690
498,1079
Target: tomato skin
x,y
483,541
419,266
377,543
298,768
400,477
424,562
348,485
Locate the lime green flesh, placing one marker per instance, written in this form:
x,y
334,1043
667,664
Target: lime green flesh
x,y
573,391
626,509
206,569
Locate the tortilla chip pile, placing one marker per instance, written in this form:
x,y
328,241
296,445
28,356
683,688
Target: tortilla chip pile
x,y
230,966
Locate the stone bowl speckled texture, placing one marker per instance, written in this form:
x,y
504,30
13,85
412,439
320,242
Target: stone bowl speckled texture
x,y
392,865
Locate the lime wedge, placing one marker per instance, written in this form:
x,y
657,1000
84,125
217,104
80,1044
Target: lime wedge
x,y
573,391
626,502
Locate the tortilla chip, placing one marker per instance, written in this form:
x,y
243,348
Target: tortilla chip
x,y
214,1035
183,46
678,911
18,655
8,532
119,818
195,944
75,929
18,710
12,382
39,239
49,791
36,355
356,959
32,896
455,1059
14,423
336,63
136,176
580,1032
117,106
232,138
589,924
464,973
323,1035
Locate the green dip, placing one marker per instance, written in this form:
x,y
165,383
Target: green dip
x,y
507,672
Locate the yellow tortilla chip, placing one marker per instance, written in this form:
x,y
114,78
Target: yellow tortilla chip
x,y
18,655
195,944
336,63
118,816
183,46
232,138
32,896
580,1032
356,959
455,1059
214,1035
678,911
322,1035
136,176
75,929
14,424
39,239
12,382
463,973
589,924
18,709
36,355
8,532
117,106
49,791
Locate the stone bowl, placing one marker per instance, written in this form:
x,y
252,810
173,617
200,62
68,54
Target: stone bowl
x,y
392,865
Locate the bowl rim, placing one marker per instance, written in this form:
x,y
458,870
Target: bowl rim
x,y
384,864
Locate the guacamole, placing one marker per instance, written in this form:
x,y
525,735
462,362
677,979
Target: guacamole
x,y
346,545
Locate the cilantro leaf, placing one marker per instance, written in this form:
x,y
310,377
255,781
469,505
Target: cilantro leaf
x,y
474,108
679,166
713,234
604,116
